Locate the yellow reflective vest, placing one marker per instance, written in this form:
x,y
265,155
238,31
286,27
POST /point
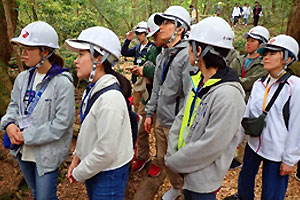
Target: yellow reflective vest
x,y
187,121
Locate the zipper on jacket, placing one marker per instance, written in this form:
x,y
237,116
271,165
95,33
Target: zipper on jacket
x,y
49,108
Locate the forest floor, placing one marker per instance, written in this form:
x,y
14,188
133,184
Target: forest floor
x,y
13,186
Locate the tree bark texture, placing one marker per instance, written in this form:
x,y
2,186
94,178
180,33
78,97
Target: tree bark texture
x,y
11,27
273,6
293,27
5,53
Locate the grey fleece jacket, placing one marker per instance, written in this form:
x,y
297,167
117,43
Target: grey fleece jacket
x,y
209,149
54,114
167,99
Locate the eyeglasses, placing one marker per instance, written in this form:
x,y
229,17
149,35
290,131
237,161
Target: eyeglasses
x,y
166,22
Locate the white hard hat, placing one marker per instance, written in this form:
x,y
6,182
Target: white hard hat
x,y
152,27
219,3
259,33
213,31
281,43
102,39
38,34
175,13
141,27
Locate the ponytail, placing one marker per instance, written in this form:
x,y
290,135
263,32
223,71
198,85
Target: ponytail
x,y
54,58
124,82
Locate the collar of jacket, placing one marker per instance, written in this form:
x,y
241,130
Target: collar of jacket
x,y
221,76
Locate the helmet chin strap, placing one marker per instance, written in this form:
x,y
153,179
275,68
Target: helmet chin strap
x,y
204,52
43,58
286,63
175,33
194,47
104,57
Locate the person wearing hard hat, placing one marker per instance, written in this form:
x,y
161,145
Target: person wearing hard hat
x,y
170,86
146,72
249,68
205,133
271,122
39,119
139,53
104,145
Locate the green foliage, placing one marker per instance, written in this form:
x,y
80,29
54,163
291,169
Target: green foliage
x,y
70,17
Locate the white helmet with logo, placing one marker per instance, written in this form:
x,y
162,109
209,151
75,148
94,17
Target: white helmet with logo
x,y
282,43
152,27
176,13
213,31
141,27
98,38
258,33
39,34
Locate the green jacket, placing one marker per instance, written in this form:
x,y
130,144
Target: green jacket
x,y
254,71
149,67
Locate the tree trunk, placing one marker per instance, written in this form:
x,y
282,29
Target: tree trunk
x,y
273,6
208,6
11,29
293,28
5,53
35,17
195,4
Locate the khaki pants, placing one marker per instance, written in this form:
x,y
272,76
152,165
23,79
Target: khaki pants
x,y
143,137
139,91
136,100
161,135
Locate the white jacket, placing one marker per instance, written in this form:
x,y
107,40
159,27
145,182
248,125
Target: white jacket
x,y
277,143
236,12
246,10
105,140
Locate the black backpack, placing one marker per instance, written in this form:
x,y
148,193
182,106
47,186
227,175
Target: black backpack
x,y
132,115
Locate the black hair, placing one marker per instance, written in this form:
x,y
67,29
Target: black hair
x,y
124,82
213,60
54,58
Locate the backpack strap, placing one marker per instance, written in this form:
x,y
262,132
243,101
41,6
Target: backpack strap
x,y
283,80
95,96
167,66
286,112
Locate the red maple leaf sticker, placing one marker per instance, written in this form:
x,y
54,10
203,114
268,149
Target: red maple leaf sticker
x,y
25,35
149,30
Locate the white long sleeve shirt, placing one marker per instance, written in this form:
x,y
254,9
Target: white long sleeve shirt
x,y
277,143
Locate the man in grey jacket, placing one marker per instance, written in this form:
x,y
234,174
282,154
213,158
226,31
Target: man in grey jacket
x,y
170,86
205,133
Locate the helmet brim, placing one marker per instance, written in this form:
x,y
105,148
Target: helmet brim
x,y
77,45
20,41
264,47
159,18
246,35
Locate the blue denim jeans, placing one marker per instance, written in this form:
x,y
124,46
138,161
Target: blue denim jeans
x,y
108,185
189,195
274,185
42,187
